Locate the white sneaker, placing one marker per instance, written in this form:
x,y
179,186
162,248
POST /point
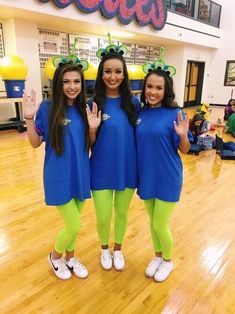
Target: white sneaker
x,y
163,271
79,270
118,260
153,266
106,259
59,267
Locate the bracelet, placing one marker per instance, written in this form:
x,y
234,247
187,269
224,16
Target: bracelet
x,y
26,118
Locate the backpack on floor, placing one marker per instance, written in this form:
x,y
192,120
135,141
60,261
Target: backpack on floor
x,y
223,153
229,146
207,142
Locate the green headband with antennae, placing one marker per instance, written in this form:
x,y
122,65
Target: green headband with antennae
x,y
71,58
111,48
159,64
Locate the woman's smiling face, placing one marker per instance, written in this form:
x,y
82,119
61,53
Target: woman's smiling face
x,y
155,90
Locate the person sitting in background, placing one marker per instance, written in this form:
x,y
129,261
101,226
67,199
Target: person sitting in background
x,y
204,110
198,125
229,109
230,126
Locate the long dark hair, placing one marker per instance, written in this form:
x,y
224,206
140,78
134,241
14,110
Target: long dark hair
x,y
196,130
229,102
59,104
169,97
124,89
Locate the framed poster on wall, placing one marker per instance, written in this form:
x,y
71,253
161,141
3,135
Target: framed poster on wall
x,y
154,53
104,42
86,47
51,43
141,54
229,78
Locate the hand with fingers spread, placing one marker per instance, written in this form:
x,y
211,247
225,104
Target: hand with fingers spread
x,y
183,124
93,117
30,107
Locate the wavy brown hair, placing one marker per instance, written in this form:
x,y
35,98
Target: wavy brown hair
x,y
59,104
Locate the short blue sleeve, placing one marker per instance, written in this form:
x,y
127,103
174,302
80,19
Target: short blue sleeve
x,y
41,120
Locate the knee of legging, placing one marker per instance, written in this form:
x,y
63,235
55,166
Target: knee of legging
x,y
121,215
159,228
103,222
73,229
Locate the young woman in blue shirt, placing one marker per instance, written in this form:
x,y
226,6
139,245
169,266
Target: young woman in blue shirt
x,y
113,157
63,125
161,132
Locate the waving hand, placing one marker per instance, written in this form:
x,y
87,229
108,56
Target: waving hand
x,y
30,107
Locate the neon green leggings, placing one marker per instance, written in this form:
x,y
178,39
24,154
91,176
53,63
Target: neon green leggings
x,y
159,214
70,213
103,200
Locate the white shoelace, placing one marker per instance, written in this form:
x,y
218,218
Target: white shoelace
x,y
77,263
118,255
62,266
163,268
106,255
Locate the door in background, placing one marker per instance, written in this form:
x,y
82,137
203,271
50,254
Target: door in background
x,y
193,83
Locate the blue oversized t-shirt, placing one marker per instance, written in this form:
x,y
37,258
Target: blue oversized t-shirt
x,y
159,164
66,176
113,158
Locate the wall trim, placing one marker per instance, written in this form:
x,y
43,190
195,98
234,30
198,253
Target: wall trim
x,y
192,30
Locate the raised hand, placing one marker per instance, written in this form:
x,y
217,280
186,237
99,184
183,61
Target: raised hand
x,y
93,117
183,124
30,107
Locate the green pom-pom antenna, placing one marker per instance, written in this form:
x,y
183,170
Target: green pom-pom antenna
x,y
171,70
123,50
84,65
111,47
71,59
159,64
100,53
147,67
57,60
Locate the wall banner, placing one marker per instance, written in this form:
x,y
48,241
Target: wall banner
x,y
153,12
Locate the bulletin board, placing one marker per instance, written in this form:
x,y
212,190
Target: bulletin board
x,y
86,47
51,43
141,54
103,42
154,53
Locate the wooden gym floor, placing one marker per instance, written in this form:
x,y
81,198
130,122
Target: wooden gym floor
x,y
203,226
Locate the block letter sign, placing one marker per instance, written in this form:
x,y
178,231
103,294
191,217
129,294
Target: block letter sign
x,y
145,12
